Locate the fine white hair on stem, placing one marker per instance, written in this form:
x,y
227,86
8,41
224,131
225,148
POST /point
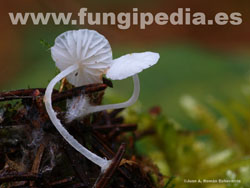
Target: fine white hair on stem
x,y
80,107
77,107
103,163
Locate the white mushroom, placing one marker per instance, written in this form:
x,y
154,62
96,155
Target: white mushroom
x,y
124,67
88,50
83,56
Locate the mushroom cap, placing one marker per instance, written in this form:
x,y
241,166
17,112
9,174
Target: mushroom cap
x,y
87,48
131,64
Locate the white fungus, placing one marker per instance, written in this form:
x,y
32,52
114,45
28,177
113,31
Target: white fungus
x,y
87,49
76,107
124,67
83,56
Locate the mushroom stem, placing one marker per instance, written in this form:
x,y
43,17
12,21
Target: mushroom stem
x,y
129,102
103,163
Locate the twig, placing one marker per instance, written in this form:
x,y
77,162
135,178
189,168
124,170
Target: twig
x,y
22,92
125,170
37,161
78,90
19,177
63,182
39,92
117,127
104,179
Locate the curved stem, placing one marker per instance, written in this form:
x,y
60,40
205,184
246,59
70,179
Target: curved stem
x,y
103,163
129,102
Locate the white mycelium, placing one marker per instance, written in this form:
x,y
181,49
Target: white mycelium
x,y
76,107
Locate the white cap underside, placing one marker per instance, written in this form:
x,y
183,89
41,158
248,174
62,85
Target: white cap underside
x,y
87,48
